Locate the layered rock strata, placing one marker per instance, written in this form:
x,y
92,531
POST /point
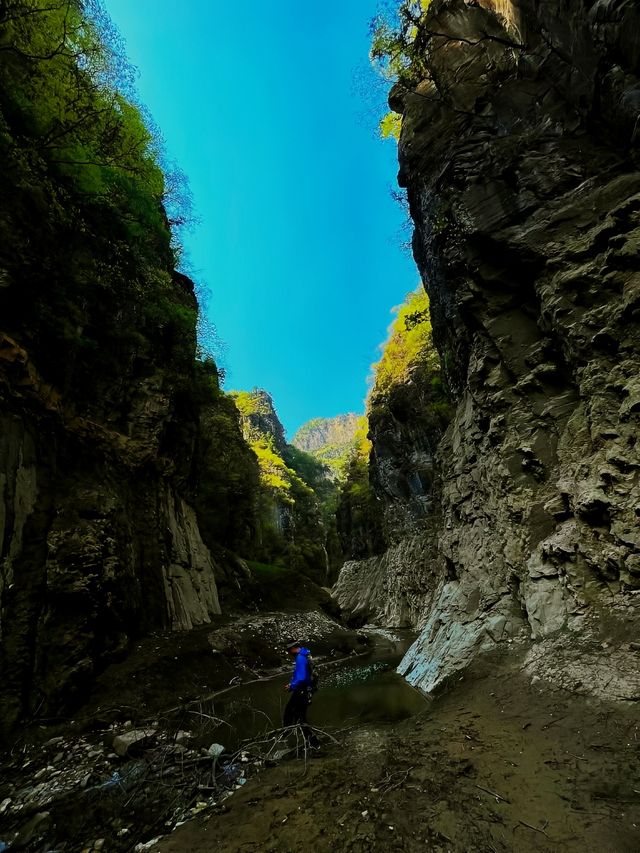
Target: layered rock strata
x,y
390,577
98,541
519,152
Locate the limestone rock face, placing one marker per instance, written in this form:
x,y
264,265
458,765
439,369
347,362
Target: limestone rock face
x,y
392,574
328,440
519,152
98,541
259,418
189,579
391,589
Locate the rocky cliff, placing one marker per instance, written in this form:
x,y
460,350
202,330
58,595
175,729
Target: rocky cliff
x,y
99,535
387,516
519,152
123,473
328,440
259,419
292,529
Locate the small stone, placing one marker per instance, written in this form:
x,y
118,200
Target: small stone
x,y
146,845
215,750
132,740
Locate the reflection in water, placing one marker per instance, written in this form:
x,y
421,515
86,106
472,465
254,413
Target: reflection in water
x,y
353,674
373,694
355,691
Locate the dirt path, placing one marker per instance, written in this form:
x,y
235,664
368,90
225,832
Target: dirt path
x,y
494,765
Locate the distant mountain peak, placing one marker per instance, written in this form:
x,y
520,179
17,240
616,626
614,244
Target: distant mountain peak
x,y
319,432
259,417
329,440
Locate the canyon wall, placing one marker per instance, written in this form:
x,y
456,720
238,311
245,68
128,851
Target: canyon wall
x,y
387,515
99,536
125,483
519,154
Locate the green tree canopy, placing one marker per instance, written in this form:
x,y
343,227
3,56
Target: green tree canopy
x,y
409,345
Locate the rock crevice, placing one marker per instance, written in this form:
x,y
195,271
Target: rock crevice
x,y
518,151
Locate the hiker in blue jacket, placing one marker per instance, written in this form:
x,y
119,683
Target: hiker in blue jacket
x,y
300,687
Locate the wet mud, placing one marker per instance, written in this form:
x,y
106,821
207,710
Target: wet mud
x,y
494,764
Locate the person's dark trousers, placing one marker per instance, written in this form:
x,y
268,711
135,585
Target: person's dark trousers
x,y
295,714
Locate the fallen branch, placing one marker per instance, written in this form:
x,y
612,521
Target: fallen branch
x,y
553,722
534,828
397,784
493,794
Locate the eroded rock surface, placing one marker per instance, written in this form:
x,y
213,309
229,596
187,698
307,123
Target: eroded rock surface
x,y
518,151
392,574
519,154
98,544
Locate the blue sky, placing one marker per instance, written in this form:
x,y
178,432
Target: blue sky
x,y
299,240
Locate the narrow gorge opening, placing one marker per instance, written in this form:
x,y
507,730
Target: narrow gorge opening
x,y
216,442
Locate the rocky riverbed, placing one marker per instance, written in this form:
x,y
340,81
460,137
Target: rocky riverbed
x,y
494,765
161,737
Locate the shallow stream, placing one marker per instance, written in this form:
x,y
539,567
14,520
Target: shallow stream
x,y
361,689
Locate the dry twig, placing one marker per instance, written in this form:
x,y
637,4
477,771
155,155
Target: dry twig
x,y
493,794
534,828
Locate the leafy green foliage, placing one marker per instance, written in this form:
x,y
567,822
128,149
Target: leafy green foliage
x,y
329,441
312,472
88,217
277,476
409,358
358,514
92,290
396,53
291,529
316,471
254,402
395,37
316,475
390,126
62,80
265,569
406,389
357,482
409,346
